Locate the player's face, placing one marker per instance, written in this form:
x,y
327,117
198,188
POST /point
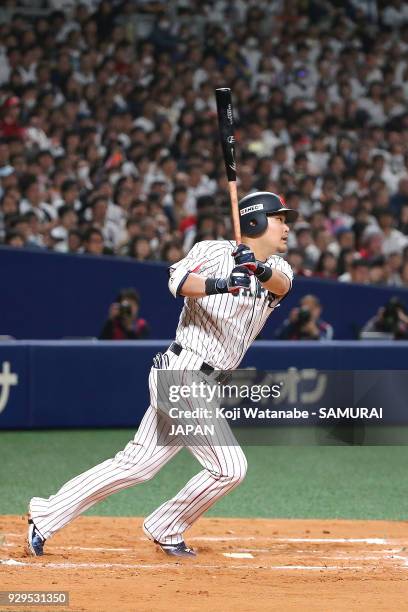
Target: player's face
x,y
277,233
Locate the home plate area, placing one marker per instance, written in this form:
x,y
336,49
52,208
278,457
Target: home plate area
x,y
108,565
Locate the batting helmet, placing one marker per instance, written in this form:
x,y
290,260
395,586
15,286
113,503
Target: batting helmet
x,y
254,209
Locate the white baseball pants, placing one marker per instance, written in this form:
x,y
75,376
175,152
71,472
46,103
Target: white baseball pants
x,y
224,468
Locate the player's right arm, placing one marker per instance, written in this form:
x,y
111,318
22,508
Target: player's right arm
x,y
193,276
193,286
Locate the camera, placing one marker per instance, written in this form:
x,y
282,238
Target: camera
x,y
125,309
304,316
390,318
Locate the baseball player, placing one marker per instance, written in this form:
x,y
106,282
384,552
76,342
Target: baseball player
x,y
229,290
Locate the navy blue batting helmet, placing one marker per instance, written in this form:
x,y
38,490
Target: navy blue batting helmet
x,y
255,208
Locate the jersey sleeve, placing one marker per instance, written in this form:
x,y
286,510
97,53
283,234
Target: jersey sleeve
x,y
201,259
277,263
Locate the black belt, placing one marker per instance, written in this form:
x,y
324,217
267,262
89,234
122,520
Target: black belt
x,y
205,367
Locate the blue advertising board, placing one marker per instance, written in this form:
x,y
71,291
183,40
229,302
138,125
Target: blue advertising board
x,y
105,384
49,295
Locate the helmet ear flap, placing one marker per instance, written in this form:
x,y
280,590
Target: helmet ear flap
x,y
256,225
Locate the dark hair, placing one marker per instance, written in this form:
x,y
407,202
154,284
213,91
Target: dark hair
x,y
27,181
128,294
30,214
321,260
132,221
42,153
341,262
75,232
67,185
179,189
63,210
359,262
296,251
91,232
166,248
99,198
134,242
14,220
205,202
10,235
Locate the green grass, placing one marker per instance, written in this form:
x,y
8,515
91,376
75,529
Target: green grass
x,y
283,481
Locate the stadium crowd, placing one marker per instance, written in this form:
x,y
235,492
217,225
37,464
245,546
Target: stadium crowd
x,y
109,140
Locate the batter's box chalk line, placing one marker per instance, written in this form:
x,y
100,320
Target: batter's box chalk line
x,y
159,566
378,541
231,538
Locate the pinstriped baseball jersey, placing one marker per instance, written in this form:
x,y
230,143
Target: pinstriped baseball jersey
x,y
220,328
216,329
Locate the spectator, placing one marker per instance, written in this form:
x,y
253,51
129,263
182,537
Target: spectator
x,y
326,266
295,259
70,195
372,239
378,271
35,201
93,242
10,126
358,272
123,322
304,322
172,252
127,137
14,239
139,248
67,221
305,243
395,13
99,219
404,274
393,240
74,241
400,197
34,237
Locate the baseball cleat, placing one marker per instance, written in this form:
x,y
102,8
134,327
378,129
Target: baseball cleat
x,y
35,542
177,550
174,550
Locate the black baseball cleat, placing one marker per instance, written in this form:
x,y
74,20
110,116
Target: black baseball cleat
x,y
177,550
35,542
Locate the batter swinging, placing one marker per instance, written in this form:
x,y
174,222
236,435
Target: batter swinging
x,y
230,291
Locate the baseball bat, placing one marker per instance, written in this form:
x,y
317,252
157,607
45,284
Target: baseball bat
x,y
226,126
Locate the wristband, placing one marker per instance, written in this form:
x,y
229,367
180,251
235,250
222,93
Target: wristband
x,y
263,273
213,286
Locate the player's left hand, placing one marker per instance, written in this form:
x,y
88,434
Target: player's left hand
x,y
240,278
244,256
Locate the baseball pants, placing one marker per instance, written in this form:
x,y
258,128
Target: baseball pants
x,y
224,467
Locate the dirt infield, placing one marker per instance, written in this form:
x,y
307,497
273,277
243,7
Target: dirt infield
x,y
107,565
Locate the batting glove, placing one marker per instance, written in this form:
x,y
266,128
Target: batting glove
x,y
244,256
240,278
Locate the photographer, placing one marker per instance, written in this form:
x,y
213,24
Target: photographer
x,y
123,322
390,322
304,322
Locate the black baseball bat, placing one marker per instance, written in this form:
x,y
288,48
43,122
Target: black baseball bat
x,y
226,127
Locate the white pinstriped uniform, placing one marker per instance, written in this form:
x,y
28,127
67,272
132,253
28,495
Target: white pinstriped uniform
x,y
220,328
217,330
